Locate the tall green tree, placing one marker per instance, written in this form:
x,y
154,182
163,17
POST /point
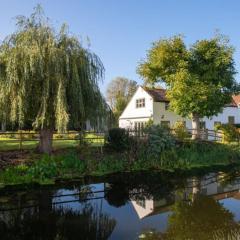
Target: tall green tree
x,y
119,92
199,79
48,78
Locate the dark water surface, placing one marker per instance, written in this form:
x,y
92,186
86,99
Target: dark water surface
x,y
130,206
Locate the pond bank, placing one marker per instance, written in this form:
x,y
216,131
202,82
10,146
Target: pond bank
x,y
72,164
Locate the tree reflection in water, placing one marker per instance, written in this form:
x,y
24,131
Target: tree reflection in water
x,y
204,218
60,223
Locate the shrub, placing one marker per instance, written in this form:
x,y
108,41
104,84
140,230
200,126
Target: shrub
x,y
149,123
159,139
72,161
110,164
46,167
230,132
180,131
117,139
14,175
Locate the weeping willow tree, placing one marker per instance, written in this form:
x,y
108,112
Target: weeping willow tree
x,y
48,78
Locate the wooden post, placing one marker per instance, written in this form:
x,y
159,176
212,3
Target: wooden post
x,y
20,143
206,134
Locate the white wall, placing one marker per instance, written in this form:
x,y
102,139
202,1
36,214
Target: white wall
x,y
223,117
160,114
143,211
132,114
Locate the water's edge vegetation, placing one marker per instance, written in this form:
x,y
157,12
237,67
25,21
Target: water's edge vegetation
x,y
88,161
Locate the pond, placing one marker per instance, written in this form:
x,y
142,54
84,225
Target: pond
x,y
144,205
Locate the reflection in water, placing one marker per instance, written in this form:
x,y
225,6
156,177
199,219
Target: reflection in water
x,y
61,222
149,206
203,218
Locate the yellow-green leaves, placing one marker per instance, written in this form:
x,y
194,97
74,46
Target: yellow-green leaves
x,y
199,79
48,78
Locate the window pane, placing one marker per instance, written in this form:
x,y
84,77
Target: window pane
x,y
140,103
231,120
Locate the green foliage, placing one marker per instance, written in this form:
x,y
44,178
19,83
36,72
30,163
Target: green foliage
x,y
117,139
187,156
48,78
199,80
73,162
180,131
15,175
119,92
230,132
206,216
121,103
111,164
75,165
44,168
204,154
159,139
149,123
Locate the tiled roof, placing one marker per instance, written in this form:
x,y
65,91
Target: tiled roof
x,y
236,99
159,95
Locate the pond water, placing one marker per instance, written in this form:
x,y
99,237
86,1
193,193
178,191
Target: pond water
x,y
127,206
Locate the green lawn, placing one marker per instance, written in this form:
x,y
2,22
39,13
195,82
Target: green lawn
x,y
7,144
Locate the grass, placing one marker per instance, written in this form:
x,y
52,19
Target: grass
x,y
8,144
89,161
15,145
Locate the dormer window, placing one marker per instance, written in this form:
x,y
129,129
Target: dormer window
x,y
140,103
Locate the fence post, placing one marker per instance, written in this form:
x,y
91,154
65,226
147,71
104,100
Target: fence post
x,y
20,143
206,134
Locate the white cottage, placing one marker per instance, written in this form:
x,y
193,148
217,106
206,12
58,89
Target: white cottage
x,y
152,104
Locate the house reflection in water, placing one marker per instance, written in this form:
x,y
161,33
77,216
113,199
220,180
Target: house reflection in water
x,y
213,185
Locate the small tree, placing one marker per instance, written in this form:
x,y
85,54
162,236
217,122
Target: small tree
x,y
119,92
48,78
199,80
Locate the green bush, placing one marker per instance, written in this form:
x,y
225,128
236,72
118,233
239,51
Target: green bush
x,y
46,167
180,131
73,162
111,164
159,139
117,139
230,132
15,175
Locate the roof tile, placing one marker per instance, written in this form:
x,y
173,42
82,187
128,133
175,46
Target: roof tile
x,y
159,95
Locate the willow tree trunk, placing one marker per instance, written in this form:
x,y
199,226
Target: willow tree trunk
x,y
195,126
45,143
3,126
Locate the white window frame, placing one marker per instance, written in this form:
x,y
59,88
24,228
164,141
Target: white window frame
x,y
140,103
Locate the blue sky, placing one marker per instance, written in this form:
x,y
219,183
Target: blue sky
x,y
121,31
